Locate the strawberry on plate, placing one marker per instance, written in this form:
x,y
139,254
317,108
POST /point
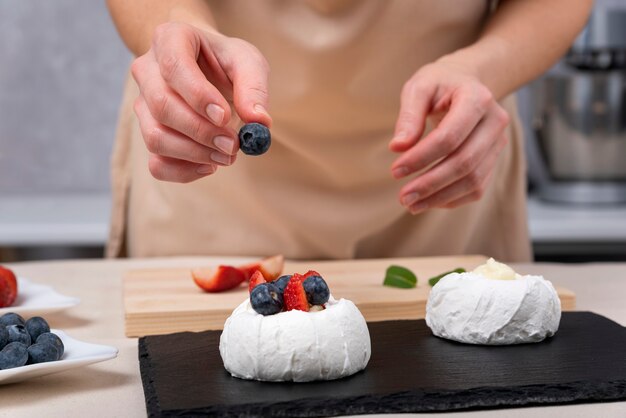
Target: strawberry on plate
x,y
270,267
8,287
256,279
295,296
218,279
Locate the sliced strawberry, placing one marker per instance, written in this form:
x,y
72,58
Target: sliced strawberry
x,y
249,269
294,296
311,273
256,279
8,287
218,279
270,267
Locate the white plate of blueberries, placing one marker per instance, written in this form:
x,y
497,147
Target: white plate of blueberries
x,y
29,348
36,299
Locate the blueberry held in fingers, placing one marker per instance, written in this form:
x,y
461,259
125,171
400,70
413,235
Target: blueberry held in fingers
x,y
254,139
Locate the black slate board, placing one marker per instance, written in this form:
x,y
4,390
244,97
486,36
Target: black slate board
x,y
410,371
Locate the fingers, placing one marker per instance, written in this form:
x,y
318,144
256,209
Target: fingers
x,y
169,109
163,141
461,173
467,198
415,104
169,169
183,117
467,108
176,48
249,73
468,189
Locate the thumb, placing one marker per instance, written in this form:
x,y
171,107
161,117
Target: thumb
x,y
415,104
250,89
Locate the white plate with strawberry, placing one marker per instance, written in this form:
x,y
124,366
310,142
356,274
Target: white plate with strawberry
x,y
23,296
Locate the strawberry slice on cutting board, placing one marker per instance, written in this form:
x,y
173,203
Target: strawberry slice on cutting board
x,y
218,279
271,267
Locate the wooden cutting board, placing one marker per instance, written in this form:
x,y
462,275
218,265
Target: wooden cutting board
x,y
163,301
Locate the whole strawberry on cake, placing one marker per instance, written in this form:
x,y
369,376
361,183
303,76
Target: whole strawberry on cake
x,y
292,329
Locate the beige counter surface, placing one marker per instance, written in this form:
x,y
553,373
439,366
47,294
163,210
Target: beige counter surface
x,y
113,388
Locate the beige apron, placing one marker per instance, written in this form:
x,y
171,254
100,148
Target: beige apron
x,y
324,190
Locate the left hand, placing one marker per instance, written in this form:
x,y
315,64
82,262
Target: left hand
x,y
456,159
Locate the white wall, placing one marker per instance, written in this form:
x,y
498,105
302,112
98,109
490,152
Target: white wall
x,y
62,66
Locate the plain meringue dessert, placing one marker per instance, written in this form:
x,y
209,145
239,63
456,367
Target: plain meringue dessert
x,y
292,329
493,305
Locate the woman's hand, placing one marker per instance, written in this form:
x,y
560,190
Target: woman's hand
x,y
455,160
186,80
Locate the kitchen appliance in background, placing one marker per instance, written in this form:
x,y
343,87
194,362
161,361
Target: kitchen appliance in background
x,y
577,143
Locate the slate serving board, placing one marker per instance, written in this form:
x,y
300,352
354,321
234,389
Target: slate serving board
x,y
410,371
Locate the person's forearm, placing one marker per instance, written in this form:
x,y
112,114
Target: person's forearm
x,y
522,39
136,20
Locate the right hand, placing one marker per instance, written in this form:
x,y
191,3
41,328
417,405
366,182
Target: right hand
x,y
186,80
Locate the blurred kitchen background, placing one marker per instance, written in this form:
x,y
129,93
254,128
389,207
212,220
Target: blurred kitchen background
x,y
61,74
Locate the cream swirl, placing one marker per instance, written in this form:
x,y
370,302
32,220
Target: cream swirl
x,y
296,346
475,309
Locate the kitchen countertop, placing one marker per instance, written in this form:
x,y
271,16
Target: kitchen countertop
x,y
59,219
113,388
562,223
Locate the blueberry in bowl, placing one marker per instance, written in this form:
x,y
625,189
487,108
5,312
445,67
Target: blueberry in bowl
x,y
27,342
18,333
11,318
52,339
42,353
36,326
14,354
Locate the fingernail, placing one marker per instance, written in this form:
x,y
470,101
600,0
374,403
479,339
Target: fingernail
x,y
418,207
206,169
400,172
410,198
400,137
220,158
215,113
260,109
224,144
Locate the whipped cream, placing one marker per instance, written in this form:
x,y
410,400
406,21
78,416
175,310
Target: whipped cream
x,y
294,345
496,271
492,306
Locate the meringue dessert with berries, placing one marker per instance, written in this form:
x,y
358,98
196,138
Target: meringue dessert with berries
x,y
493,305
292,329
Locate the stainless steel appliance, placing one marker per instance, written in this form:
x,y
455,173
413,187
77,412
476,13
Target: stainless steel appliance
x,y
578,151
